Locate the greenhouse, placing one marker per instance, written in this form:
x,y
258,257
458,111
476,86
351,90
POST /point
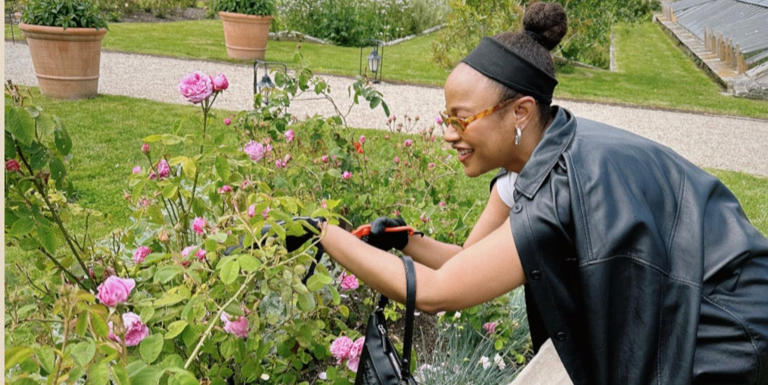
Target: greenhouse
x,y
735,31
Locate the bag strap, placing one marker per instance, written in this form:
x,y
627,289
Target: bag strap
x,y
318,256
410,307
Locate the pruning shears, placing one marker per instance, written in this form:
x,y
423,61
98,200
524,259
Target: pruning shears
x,y
365,230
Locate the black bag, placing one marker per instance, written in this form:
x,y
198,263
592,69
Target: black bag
x,y
379,362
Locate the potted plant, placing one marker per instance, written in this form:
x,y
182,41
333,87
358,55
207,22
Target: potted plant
x,y
64,39
246,26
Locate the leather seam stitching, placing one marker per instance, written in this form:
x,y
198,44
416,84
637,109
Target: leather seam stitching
x,y
644,263
582,209
743,326
673,233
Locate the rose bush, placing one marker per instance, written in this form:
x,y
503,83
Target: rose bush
x,y
175,297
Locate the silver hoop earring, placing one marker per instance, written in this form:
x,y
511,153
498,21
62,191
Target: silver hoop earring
x,y
518,134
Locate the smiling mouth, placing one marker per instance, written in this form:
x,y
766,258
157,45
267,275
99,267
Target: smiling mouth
x,y
464,154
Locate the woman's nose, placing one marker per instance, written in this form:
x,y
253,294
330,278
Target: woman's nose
x,y
450,134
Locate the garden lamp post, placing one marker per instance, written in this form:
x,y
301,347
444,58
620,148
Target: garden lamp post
x,y
265,85
375,60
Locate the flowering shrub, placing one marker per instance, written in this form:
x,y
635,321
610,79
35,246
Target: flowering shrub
x,y
177,297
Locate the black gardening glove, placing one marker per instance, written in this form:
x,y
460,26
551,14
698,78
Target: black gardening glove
x,y
292,242
311,230
384,240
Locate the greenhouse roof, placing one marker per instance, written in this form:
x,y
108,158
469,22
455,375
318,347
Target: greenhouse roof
x,y
744,22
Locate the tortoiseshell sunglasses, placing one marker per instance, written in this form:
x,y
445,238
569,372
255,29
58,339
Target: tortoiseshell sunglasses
x,y
460,125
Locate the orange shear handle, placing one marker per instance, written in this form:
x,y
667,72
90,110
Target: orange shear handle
x,y
365,230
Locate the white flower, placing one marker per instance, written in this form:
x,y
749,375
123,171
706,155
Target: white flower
x,y
485,362
265,377
457,315
322,376
499,361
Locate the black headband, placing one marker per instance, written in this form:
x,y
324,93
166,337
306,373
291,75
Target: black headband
x,y
494,60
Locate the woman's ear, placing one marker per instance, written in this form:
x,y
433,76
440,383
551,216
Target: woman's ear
x,y
526,111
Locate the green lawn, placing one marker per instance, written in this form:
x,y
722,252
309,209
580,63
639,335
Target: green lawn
x,y
652,72
107,131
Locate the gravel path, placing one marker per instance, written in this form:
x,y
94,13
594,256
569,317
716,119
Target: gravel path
x,y
729,143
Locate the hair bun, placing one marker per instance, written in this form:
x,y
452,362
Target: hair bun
x,y
548,21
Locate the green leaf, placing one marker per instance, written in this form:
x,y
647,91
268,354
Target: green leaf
x,y
62,140
98,374
83,352
169,298
167,273
120,375
20,125
249,263
147,376
175,328
146,313
151,347
82,323
170,191
16,354
99,325
10,148
58,170
306,302
317,281
183,378
230,269
23,226
188,165
222,168
47,238
47,358
344,310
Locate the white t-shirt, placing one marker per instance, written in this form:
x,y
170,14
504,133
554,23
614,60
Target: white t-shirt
x,y
505,185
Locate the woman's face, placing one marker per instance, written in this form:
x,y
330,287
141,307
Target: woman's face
x,y
486,143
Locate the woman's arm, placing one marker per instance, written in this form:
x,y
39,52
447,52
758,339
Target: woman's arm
x,y
486,270
434,253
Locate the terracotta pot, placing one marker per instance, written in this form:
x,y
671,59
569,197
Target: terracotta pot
x,y
245,35
66,60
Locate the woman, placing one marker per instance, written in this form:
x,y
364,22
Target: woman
x,y
640,267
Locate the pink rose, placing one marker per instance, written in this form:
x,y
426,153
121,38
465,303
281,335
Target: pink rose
x,y
220,83
354,354
12,165
346,175
424,218
348,281
396,159
265,212
442,204
362,139
324,158
200,253
115,290
490,327
255,150
408,143
136,170
438,120
163,170
289,136
196,87
238,327
431,165
225,189
252,210
279,163
340,348
145,148
198,225
135,331
141,253
227,121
